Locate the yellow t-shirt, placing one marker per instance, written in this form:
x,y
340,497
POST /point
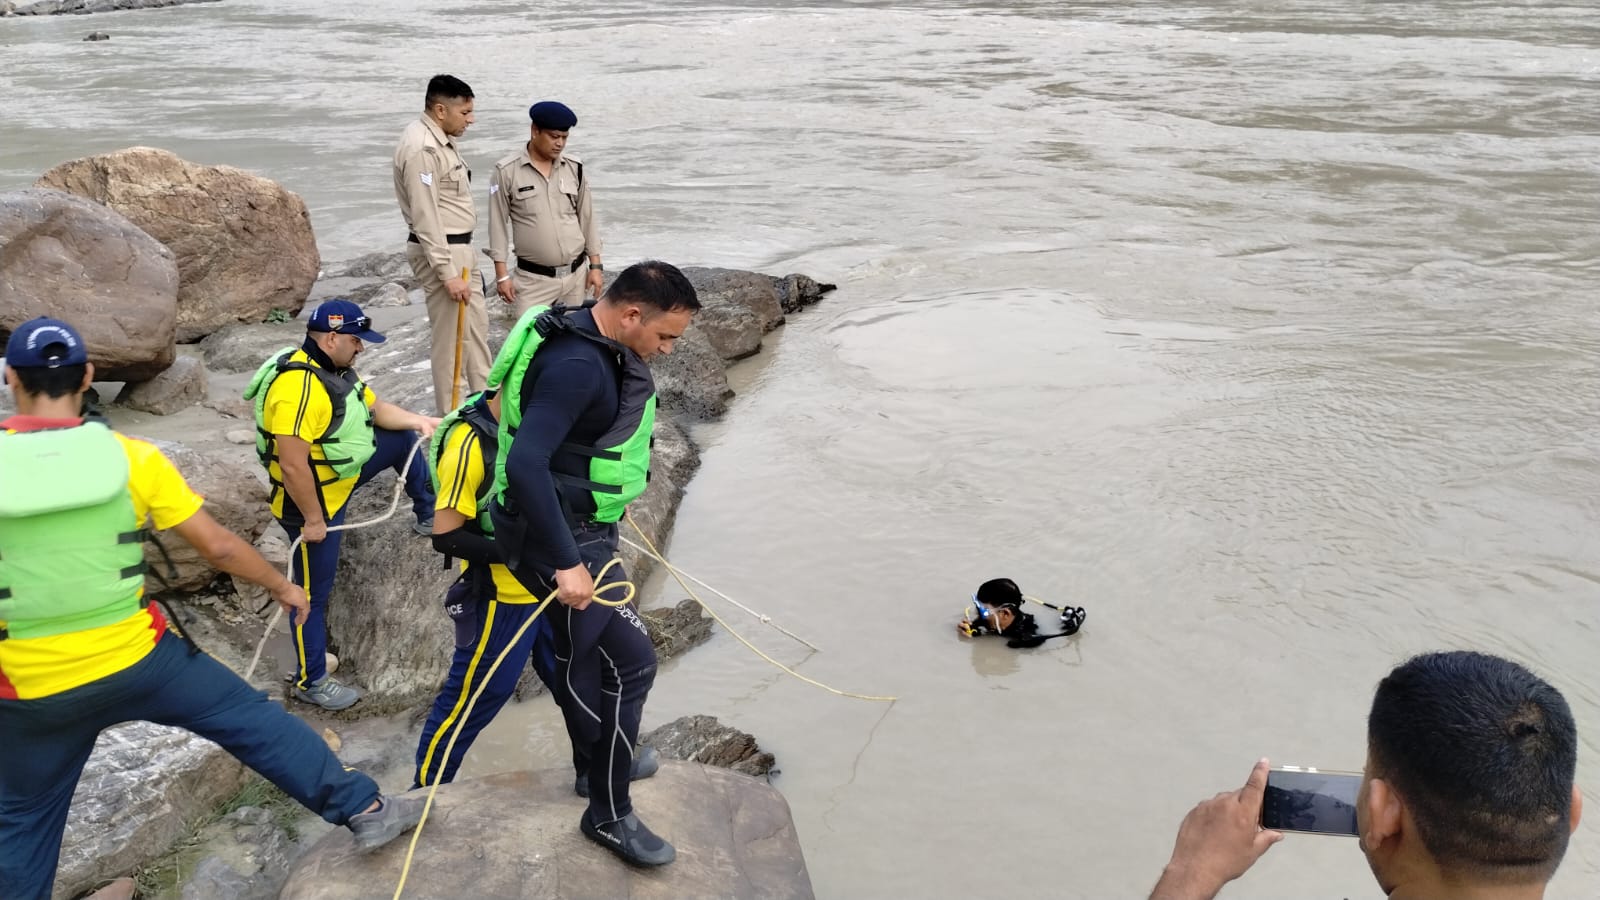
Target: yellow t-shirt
x,y
38,667
297,404
460,473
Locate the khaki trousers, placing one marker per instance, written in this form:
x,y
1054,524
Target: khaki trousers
x,y
537,290
475,358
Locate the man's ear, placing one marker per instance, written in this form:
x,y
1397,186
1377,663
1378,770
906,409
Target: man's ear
x,y
11,380
88,378
1384,811
1577,807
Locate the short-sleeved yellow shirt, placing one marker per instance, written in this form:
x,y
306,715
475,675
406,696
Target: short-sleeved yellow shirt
x,y
297,404
38,667
460,472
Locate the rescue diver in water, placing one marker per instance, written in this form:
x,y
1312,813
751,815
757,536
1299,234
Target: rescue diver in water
x,y
997,609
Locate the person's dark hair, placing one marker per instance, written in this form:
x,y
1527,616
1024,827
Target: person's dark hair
x,y
1482,752
56,383
445,87
656,284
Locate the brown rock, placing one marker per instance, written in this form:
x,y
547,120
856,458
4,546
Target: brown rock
x,y
515,834
66,257
182,385
244,244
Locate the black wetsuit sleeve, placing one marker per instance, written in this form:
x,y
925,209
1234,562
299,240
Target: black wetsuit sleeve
x,y
467,545
563,392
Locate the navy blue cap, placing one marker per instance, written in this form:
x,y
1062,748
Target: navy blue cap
x,y
552,115
343,317
45,343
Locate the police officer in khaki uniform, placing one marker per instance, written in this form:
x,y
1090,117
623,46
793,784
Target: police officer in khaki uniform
x,y
544,196
434,188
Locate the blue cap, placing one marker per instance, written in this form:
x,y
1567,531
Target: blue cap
x,y
343,317
45,343
548,114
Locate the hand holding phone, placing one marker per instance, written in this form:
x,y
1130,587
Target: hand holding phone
x,y
1310,801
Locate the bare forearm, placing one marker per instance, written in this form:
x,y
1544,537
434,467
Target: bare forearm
x,y
1179,884
231,554
301,486
387,415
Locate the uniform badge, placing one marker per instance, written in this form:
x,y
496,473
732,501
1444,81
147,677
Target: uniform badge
x,y
335,322
427,178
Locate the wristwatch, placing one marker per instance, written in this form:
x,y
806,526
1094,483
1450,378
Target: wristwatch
x,y
596,267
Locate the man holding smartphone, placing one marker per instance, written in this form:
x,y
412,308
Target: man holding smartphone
x,y
1468,789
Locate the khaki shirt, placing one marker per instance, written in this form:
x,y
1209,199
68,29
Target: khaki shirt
x,y
434,188
552,221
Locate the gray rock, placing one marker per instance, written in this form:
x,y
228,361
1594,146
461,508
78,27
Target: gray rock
x,y
250,858
751,290
733,330
97,36
703,739
797,291
67,257
182,385
236,496
380,296
231,406
142,787
241,436
692,379
243,348
675,629
734,836
244,243
7,8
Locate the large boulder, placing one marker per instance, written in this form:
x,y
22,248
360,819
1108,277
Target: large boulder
x,y
244,244
142,787
63,256
234,486
692,380
516,834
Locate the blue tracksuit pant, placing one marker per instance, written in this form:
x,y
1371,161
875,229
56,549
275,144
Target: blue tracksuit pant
x,y
321,559
483,631
44,744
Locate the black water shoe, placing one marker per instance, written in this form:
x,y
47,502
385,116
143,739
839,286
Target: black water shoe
x,y
629,839
646,762
396,816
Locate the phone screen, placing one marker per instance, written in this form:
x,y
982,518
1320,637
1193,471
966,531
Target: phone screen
x,y
1310,801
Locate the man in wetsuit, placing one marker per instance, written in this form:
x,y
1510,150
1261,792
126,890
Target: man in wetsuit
x,y
577,412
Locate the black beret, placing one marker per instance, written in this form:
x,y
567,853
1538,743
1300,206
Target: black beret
x,y
552,115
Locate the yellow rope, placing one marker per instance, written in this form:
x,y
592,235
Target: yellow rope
x,y
811,681
438,777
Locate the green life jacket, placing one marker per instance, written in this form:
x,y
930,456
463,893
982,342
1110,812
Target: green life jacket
x,y
71,545
473,414
619,462
348,441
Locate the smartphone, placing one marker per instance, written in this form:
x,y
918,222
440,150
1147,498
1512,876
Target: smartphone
x,y
1310,801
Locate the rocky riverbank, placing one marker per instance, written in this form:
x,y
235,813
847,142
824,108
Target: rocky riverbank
x,y
179,324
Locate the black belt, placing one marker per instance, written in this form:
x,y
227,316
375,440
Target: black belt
x,y
448,239
549,271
